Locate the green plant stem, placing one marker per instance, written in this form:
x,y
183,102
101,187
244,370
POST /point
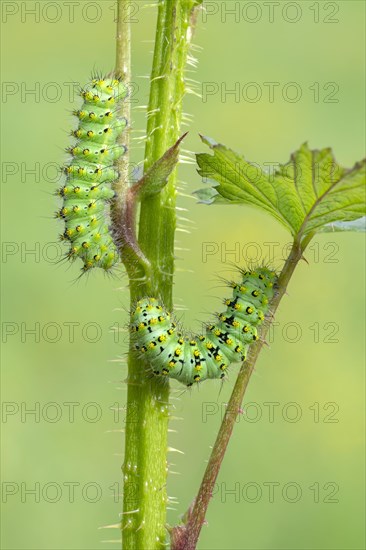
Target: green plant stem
x,y
158,218
123,71
122,208
145,465
185,536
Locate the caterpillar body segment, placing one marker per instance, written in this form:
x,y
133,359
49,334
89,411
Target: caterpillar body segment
x,y
87,191
171,352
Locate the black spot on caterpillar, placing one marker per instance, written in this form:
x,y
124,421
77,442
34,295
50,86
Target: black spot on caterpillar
x,y
87,191
188,359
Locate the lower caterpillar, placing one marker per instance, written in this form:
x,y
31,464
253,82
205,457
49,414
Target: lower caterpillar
x,y
87,191
190,360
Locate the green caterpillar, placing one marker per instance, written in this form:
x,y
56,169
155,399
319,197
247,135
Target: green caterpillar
x,y
190,360
87,191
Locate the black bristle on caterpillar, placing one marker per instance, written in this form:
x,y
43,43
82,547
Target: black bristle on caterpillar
x,y
189,360
87,190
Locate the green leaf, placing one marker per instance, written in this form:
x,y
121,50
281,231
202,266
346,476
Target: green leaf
x,y
305,195
156,178
357,225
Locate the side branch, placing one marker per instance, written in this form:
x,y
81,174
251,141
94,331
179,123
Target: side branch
x,y
123,71
185,536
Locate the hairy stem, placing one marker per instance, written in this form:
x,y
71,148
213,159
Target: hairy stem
x,y
145,464
185,537
158,219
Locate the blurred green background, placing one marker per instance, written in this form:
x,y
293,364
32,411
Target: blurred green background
x,y
293,476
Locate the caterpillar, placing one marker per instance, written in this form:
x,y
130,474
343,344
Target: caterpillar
x,y
192,359
87,190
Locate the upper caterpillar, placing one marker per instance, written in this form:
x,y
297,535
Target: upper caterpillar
x,y
87,191
194,359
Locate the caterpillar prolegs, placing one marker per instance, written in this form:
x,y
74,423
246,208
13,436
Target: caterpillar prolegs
x,y
87,191
191,359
